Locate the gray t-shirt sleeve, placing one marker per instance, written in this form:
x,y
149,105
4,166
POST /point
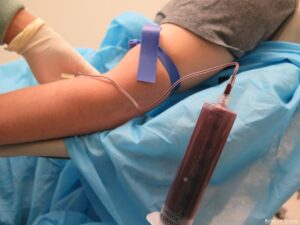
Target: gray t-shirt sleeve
x,y
239,25
8,9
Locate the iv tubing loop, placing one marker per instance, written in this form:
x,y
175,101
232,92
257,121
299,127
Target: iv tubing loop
x,y
222,101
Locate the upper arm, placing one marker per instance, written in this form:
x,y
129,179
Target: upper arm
x,y
191,53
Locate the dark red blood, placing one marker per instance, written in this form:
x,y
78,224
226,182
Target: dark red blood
x,y
196,168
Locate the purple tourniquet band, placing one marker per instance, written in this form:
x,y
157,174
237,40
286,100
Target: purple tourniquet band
x,y
150,50
169,66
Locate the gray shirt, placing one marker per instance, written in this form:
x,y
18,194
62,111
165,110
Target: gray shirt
x,y
239,25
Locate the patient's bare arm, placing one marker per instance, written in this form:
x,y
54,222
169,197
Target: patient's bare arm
x,y
79,106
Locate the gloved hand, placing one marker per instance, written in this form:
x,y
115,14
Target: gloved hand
x,y
47,53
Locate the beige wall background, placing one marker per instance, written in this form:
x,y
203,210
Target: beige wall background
x,y
83,23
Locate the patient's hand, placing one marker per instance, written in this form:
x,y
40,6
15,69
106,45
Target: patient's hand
x,y
47,53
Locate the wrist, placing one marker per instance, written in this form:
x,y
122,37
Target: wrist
x,y
19,22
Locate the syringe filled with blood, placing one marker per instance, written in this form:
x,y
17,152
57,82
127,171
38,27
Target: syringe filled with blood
x,y
205,147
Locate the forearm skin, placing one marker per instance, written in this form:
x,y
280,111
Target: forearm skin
x,y
17,25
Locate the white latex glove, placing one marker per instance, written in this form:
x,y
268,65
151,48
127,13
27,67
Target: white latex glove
x,y
47,53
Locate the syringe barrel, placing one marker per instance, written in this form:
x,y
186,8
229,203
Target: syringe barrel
x,y
196,168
